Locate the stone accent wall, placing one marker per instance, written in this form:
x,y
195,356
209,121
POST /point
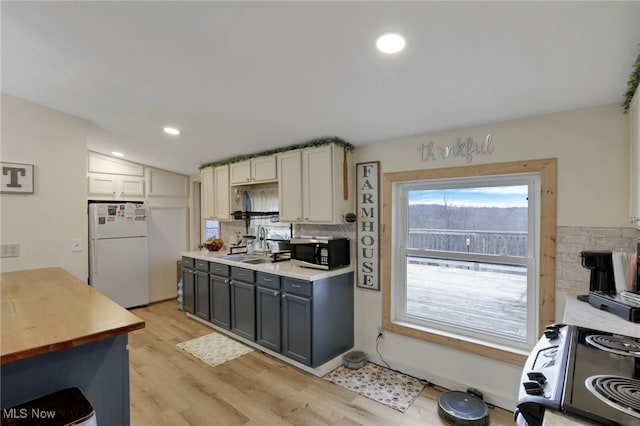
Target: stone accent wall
x,y
571,240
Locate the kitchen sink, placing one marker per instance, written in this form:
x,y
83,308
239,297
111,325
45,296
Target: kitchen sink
x,y
256,261
247,258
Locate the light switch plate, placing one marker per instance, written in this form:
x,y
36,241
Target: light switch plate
x,y
76,244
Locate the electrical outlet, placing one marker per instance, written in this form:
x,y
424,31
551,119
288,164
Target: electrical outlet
x,y
380,332
10,250
76,244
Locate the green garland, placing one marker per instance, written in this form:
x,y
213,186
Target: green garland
x,y
312,143
632,85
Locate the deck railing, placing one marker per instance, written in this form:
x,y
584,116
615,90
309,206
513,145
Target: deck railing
x,y
506,243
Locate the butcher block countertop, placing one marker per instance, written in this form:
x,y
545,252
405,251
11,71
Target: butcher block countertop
x,y
46,310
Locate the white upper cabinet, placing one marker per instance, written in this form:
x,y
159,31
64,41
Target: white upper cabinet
x,y
256,170
240,173
115,187
167,184
221,193
207,206
315,185
634,185
290,186
318,175
214,193
99,163
111,178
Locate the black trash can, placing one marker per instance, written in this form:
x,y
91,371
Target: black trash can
x,y
65,407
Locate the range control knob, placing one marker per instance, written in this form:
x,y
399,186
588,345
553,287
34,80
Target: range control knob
x,y
552,332
537,377
533,388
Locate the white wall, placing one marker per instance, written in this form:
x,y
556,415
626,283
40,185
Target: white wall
x,y
591,146
45,222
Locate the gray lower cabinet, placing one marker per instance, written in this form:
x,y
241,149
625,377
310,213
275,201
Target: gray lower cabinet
x,y
188,285
317,318
220,295
202,289
308,321
243,303
268,311
296,327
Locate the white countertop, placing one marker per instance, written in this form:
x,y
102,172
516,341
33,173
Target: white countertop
x,y
283,268
584,315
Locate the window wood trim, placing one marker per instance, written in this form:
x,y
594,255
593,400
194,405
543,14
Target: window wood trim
x,y
547,254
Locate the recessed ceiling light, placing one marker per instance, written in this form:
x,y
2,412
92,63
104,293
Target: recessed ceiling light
x,y
390,43
171,130
117,154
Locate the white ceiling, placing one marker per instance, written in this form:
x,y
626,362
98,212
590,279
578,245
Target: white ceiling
x,y
244,77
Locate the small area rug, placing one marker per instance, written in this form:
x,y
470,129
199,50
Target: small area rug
x,y
395,390
214,348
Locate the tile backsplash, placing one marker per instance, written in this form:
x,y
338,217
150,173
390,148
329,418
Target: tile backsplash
x,y
571,240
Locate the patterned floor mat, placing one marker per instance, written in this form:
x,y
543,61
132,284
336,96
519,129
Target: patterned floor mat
x,y
214,348
380,384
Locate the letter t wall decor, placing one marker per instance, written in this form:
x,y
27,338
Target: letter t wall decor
x,y
16,178
368,223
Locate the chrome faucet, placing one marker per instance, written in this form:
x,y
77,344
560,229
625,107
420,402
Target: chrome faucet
x,y
262,237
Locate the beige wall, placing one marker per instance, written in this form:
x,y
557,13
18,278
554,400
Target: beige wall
x,y
591,146
45,222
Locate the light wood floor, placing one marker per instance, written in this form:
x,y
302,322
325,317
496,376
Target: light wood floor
x,y
170,387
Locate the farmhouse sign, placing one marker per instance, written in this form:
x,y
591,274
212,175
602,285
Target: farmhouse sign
x,y
368,221
17,178
460,148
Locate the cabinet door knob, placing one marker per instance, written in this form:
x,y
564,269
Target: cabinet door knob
x,y
276,293
284,296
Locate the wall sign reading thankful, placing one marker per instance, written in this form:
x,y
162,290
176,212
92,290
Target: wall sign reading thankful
x,y
17,178
367,241
461,148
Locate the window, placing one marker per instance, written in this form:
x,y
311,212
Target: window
x,y
465,266
211,228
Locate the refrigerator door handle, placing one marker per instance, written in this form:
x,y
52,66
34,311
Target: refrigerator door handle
x,y
94,264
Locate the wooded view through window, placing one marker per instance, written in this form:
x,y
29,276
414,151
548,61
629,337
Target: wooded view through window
x,y
466,245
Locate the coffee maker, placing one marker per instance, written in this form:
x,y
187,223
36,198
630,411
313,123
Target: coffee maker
x,y
601,265
602,289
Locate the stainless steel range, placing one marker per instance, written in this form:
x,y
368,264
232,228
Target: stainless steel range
x,y
583,373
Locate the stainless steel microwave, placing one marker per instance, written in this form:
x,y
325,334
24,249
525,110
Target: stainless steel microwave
x,y
320,253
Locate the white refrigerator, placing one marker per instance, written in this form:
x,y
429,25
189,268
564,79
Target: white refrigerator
x,y
118,252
